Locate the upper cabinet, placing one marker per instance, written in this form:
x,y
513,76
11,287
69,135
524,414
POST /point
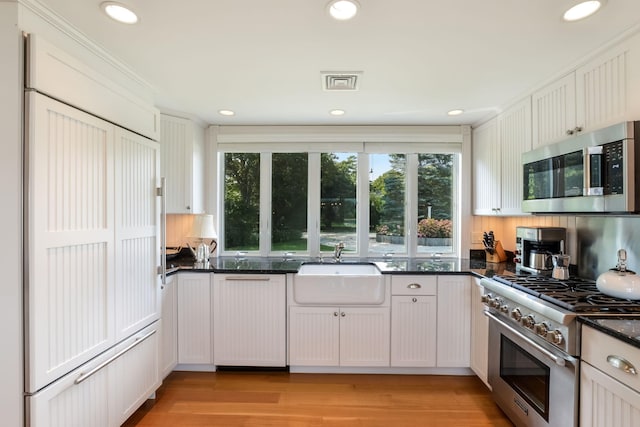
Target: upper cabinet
x,y
594,96
497,149
182,164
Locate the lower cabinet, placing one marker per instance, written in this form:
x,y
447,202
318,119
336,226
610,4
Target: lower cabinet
x,y
339,336
169,326
454,321
479,361
609,393
103,392
413,321
249,319
195,343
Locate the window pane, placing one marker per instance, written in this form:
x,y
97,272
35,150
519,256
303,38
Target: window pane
x,y
241,201
387,203
338,201
435,203
289,202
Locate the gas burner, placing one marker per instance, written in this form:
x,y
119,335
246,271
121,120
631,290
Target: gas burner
x,y
578,295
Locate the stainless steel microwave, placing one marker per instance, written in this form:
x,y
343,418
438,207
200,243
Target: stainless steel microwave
x,y
590,173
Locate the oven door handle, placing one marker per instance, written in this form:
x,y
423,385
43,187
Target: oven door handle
x,y
557,360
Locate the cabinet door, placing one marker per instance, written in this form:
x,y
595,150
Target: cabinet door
x,y
413,330
514,127
169,327
602,90
133,374
249,320
479,333
194,319
486,169
314,336
137,244
605,401
454,321
71,265
364,336
182,154
554,111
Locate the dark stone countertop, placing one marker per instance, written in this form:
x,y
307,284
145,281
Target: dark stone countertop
x,y
626,329
279,265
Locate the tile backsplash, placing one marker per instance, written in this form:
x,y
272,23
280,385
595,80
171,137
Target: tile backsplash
x,y
178,229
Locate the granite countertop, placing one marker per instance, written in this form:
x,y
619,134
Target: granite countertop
x,y
626,329
280,265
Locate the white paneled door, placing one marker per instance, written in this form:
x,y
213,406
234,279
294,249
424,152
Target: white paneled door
x,y
71,264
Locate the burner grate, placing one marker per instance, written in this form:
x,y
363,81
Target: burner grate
x,y
575,294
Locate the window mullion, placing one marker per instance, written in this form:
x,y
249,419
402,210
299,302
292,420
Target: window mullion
x,y
313,215
411,199
265,203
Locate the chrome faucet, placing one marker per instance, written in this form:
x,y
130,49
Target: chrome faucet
x,y
337,252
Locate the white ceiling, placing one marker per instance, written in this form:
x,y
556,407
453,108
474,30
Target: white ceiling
x,y
418,58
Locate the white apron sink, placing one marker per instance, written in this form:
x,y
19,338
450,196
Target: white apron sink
x,y
339,283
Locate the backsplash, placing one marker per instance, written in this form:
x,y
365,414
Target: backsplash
x,y
178,229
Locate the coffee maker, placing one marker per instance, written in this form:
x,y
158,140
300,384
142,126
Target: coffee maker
x,y
535,246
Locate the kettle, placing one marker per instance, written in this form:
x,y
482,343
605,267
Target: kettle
x,y
560,266
619,282
203,251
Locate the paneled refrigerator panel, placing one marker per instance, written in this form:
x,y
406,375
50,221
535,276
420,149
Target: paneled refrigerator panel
x,y
70,243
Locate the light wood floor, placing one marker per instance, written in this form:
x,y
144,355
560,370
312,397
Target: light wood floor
x,y
283,399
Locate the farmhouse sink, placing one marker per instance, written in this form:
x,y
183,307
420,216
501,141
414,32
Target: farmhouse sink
x,y
339,283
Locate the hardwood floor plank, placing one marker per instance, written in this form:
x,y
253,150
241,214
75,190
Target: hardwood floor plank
x,y
265,399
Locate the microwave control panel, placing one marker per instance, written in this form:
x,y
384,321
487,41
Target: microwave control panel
x,y
613,159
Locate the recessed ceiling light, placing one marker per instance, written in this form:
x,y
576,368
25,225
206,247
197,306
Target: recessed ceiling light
x,y
226,112
119,12
582,10
337,112
455,112
343,10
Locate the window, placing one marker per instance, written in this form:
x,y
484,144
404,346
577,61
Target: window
x,y
387,203
435,203
306,203
289,186
241,201
338,178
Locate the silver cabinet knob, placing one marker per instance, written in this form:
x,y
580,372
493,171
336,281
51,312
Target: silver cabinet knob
x,y
343,314
414,299
335,313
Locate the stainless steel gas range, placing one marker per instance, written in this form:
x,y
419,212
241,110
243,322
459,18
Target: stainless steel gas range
x,y
534,343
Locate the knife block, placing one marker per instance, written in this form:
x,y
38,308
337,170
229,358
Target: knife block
x,y
498,255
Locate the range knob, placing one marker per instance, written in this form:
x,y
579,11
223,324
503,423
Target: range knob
x,y
486,298
504,309
556,337
528,322
495,302
542,329
516,314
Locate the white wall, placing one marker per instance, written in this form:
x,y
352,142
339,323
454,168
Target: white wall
x,y
11,356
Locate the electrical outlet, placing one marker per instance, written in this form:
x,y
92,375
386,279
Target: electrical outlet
x,y
476,237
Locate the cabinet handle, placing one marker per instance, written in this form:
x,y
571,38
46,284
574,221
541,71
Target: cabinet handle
x,y
414,299
335,313
622,364
256,278
570,131
414,286
188,208
577,129
343,314
138,341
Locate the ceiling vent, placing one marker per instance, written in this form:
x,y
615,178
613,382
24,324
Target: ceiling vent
x,y
341,81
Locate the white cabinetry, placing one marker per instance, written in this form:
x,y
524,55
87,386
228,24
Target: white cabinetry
x,y
169,328
479,333
497,148
106,390
595,95
182,154
609,396
339,336
249,313
413,321
454,321
194,319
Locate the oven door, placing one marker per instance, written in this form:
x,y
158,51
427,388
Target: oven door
x,y
534,386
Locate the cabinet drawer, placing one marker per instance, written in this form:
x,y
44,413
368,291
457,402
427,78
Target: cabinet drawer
x,y
597,347
414,285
